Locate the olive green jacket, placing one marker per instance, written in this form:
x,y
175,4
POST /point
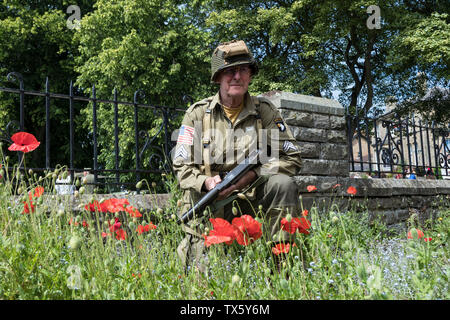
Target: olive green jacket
x,y
227,139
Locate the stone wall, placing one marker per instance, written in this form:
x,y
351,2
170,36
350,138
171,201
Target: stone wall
x,y
320,128
319,125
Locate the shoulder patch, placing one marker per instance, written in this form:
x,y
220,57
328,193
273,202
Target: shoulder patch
x,y
280,124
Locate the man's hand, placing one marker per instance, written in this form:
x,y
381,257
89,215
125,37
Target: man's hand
x,y
245,180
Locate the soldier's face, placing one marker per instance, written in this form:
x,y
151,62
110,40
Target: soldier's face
x,y
234,81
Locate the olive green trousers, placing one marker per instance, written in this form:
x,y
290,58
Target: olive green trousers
x,y
277,195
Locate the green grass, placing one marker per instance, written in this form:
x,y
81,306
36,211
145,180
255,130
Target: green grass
x,y
42,256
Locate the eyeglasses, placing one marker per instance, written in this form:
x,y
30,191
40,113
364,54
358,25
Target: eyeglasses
x,y
243,70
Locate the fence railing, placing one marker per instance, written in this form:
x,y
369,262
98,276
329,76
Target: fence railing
x,y
391,144
157,158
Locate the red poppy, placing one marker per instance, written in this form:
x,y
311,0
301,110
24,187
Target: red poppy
x,y
95,206
222,231
427,239
116,226
300,224
281,248
23,141
121,234
311,188
141,229
247,229
305,213
36,193
133,212
114,205
84,223
351,190
418,234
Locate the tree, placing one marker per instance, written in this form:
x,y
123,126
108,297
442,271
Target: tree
x,y
37,44
130,45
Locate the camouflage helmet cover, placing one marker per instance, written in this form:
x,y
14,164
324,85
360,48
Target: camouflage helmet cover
x,y
230,54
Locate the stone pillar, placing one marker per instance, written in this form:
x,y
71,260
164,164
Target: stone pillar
x,y
319,126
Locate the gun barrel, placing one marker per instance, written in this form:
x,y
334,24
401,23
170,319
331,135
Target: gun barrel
x,y
200,206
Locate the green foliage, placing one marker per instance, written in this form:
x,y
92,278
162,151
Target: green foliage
x,y
150,46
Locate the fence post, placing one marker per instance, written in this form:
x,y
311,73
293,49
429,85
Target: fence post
x,y
47,124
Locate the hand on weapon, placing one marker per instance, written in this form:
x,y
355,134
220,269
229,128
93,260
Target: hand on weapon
x,y
244,181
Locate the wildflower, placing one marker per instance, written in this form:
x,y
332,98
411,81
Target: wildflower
x,y
351,190
329,235
83,223
247,229
29,207
305,213
336,185
141,229
134,276
415,234
427,239
311,188
23,141
281,248
222,231
133,212
300,224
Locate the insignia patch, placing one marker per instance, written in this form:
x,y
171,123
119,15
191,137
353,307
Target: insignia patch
x,y
186,135
280,124
181,153
289,146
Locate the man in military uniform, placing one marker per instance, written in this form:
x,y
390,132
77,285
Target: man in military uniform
x,y
219,132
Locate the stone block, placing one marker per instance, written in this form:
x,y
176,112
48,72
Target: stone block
x,y
331,151
299,119
309,134
338,123
324,167
336,136
309,150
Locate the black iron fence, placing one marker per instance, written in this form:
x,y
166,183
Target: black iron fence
x,y
392,145
157,156
380,146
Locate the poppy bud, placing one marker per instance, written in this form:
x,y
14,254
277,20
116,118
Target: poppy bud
x,y
65,174
6,158
78,183
172,216
288,217
154,184
60,213
235,279
334,219
76,194
84,180
19,190
139,185
234,211
30,172
159,211
74,242
179,203
81,190
260,207
54,176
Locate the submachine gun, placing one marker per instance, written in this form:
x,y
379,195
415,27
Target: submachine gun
x,y
231,177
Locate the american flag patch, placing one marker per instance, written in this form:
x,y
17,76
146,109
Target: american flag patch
x,y
186,135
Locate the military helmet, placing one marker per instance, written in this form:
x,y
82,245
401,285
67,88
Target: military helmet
x,y
230,54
